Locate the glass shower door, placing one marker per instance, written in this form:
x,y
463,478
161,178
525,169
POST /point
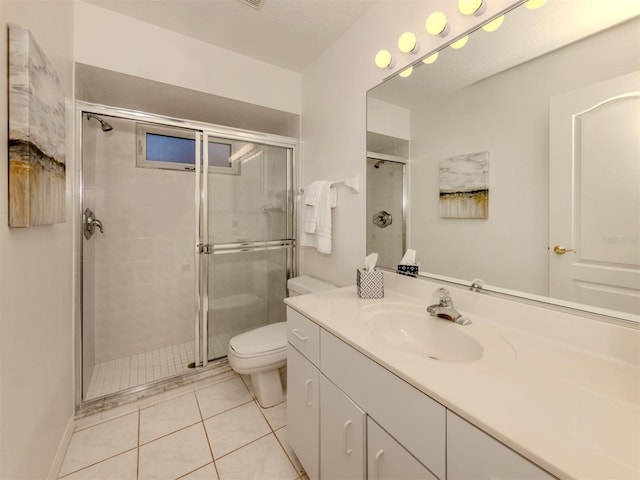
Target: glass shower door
x,y
249,225
137,266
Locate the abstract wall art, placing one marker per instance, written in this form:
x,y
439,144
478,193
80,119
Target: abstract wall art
x,y
464,186
37,145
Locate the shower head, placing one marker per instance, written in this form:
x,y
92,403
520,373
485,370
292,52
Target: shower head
x,y
378,163
106,127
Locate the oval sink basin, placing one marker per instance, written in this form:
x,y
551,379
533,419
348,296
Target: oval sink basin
x,y
411,330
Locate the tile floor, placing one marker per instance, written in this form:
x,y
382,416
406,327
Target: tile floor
x,y
215,431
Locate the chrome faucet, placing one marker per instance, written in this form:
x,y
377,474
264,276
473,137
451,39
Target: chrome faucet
x,y
444,308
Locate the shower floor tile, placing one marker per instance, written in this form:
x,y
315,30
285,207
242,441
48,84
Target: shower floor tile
x,y
122,373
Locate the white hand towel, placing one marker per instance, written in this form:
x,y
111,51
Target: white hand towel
x,y
317,218
310,207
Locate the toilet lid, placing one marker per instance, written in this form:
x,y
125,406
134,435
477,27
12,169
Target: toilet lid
x,y
261,340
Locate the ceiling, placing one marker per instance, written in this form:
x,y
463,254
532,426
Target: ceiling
x,y
288,33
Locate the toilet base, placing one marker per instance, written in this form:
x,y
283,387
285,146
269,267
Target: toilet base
x,y
268,388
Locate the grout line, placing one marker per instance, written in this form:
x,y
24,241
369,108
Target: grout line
x,y
229,409
213,458
138,447
103,420
286,454
171,433
199,468
97,463
246,444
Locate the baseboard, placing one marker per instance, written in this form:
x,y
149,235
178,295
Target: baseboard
x,y
62,450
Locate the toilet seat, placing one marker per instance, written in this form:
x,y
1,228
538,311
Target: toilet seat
x,y
260,341
260,349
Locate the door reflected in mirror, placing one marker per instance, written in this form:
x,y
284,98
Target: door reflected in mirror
x,y
558,110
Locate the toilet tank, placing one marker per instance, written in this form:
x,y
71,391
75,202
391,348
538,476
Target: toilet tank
x,y
305,284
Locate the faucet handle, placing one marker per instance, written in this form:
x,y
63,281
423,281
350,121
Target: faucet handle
x,y
442,294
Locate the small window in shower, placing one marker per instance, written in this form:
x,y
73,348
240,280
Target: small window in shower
x,y
174,149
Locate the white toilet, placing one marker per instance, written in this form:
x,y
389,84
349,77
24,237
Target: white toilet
x,y
262,351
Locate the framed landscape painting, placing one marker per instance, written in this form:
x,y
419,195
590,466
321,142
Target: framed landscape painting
x,y
37,174
464,186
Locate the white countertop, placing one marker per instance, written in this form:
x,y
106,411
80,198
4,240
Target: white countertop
x,y
574,413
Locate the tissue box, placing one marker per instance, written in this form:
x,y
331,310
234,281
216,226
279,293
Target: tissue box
x,y
410,270
370,284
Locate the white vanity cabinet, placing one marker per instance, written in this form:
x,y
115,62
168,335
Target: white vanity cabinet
x,y
388,460
303,391
342,435
474,455
303,411
350,418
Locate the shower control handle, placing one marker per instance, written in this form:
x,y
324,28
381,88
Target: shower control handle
x,y
90,222
382,219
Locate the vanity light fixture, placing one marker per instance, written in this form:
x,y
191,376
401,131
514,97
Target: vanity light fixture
x,y
408,43
493,25
384,59
460,43
437,25
533,4
472,7
406,72
430,59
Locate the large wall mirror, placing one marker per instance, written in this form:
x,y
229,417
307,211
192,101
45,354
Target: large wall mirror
x,y
522,154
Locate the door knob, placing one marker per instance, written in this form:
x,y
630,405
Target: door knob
x,y
561,250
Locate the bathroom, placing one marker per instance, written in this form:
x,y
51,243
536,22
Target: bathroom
x,y
38,299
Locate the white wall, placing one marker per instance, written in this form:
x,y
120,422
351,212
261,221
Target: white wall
x,y
334,115
509,249
388,119
36,348
116,42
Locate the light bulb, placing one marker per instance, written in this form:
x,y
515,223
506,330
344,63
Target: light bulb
x,y
430,59
460,43
436,24
407,43
405,73
493,25
471,7
384,59
533,4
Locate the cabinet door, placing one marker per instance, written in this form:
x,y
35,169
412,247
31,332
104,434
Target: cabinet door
x,y
303,408
388,460
342,435
474,455
411,417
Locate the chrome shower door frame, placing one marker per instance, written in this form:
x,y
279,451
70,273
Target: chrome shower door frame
x,y
202,247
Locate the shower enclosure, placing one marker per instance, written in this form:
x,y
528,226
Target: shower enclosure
x,y
187,240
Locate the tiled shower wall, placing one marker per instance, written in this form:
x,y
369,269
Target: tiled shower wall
x,y
144,262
